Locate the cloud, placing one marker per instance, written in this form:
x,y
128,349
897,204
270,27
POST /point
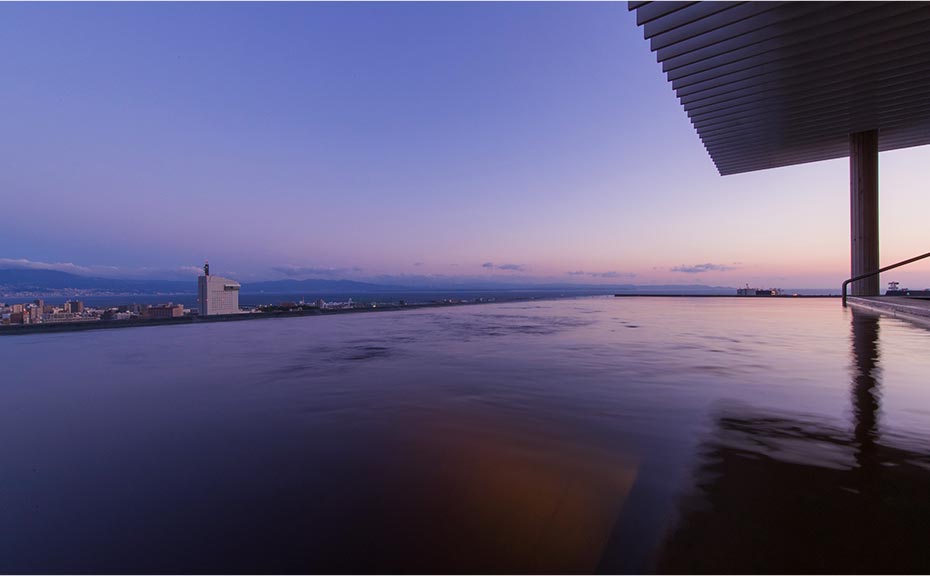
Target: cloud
x,y
191,270
612,274
608,274
508,267
71,268
698,268
299,271
417,263
35,265
104,271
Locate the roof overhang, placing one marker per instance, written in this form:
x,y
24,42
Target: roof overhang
x,y
770,84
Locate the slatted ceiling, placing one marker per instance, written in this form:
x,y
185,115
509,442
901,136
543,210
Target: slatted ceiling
x,y
801,133
745,102
899,95
748,140
767,68
748,34
865,27
908,50
736,32
698,25
757,66
755,151
790,150
770,84
745,17
803,155
803,130
648,11
685,23
772,23
797,153
895,84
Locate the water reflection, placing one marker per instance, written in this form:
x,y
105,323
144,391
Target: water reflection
x,y
783,492
538,437
485,499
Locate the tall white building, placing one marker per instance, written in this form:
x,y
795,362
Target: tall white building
x,y
217,295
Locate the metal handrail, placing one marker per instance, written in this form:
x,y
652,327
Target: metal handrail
x,y
879,271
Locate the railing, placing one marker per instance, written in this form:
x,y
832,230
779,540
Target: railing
x,y
879,271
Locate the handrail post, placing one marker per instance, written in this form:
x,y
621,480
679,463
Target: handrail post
x,y
879,271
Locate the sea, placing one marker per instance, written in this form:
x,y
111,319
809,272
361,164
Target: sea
x,y
572,435
249,299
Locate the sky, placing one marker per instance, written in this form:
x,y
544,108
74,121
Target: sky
x,y
395,142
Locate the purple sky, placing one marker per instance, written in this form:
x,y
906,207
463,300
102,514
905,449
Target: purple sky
x,y
519,141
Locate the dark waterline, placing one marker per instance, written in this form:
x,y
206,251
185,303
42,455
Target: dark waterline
x,y
558,436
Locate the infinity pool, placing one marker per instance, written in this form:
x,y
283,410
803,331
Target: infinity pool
x,y
577,435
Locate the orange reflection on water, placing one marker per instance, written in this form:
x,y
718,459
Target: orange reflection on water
x,y
495,496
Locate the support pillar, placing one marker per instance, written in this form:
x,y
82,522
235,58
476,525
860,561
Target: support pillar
x,y
863,206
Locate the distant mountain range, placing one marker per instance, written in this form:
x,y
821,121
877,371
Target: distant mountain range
x,y
28,281
318,286
21,282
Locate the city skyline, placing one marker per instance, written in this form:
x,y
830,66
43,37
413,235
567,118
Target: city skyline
x,y
518,142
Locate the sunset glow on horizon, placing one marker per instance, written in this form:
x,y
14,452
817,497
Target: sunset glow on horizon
x,y
531,142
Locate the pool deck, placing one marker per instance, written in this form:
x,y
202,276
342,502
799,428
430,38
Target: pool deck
x,y
915,309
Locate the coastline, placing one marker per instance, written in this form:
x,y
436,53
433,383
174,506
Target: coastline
x,y
24,329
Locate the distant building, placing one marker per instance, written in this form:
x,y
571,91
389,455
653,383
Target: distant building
x,y
74,307
747,291
217,295
68,317
163,311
